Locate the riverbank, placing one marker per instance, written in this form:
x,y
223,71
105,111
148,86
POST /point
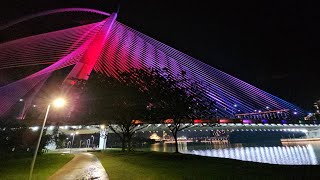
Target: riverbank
x,y
156,165
17,166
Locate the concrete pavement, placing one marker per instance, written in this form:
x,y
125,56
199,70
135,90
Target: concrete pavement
x,y
83,166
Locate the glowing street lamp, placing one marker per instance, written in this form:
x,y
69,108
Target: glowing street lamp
x,y
60,102
57,103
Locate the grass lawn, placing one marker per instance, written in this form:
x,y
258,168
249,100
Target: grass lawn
x,y
18,166
156,165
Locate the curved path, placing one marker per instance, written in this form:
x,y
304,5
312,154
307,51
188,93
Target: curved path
x,y
82,166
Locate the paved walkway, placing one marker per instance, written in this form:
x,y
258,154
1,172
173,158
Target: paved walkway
x,y
83,166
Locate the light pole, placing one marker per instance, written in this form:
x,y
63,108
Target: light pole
x,y
88,143
72,134
92,140
57,103
69,144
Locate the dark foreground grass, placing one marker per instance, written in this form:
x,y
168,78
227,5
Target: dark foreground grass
x,y
155,165
17,167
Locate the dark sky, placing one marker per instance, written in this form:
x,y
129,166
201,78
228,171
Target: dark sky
x,y
273,45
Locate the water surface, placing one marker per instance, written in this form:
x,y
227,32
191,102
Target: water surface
x,y
301,153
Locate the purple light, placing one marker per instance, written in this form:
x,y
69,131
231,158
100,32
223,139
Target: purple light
x,y
123,48
246,121
63,10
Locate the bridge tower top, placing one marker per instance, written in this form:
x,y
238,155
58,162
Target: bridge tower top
x,y
83,68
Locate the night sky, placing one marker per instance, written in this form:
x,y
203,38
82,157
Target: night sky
x,y
273,45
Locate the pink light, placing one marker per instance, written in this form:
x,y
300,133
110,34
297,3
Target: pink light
x,y
246,121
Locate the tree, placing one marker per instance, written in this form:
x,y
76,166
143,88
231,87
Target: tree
x,y
138,96
59,138
178,101
119,102
16,136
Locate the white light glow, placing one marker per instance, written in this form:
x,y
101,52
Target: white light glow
x,y
36,128
60,102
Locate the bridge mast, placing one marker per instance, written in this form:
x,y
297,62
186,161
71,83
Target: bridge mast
x,y
83,68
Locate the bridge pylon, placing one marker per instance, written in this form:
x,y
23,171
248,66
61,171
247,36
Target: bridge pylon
x,y
84,67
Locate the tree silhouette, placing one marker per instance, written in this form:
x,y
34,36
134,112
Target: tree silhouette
x,y
139,96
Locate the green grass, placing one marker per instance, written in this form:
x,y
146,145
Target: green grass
x,y
17,167
155,165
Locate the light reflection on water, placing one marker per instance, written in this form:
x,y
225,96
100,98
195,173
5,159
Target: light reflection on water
x,y
306,153
273,155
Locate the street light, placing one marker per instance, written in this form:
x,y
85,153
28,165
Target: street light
x,y
72,134
57,103
80,144
92,140
88,143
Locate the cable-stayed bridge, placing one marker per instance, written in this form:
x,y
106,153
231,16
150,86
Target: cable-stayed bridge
x,y
111,47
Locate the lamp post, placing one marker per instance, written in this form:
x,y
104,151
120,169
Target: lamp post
x,y
68,144
88,143
57,103
72,134
92,140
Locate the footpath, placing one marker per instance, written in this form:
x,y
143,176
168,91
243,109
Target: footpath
x,y
84,166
